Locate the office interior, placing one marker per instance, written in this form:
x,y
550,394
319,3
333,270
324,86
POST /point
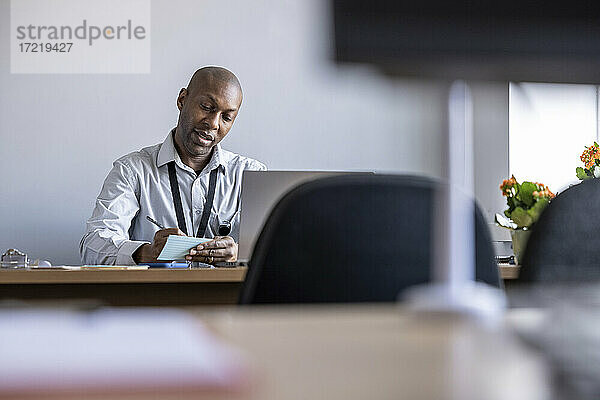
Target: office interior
x,y
307,107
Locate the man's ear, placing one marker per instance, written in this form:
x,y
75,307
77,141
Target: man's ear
x,y
181,98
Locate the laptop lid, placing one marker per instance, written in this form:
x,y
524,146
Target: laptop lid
x,y
261,190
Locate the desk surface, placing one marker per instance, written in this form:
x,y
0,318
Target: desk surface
x,y
152,275
509,271
123,276
367,352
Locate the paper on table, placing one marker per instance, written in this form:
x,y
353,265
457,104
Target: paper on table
x,y
45,350
114,267
177,247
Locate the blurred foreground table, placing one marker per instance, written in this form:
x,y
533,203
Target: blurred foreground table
x,y
153,287
362,352
377,352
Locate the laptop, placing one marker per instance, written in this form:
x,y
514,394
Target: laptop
x,y
261,191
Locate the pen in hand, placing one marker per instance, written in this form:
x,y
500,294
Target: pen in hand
x,y
154,222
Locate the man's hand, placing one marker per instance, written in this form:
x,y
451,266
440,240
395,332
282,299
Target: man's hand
x,y
220,249
148,253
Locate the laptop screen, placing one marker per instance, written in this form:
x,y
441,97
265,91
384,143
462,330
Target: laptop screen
x,y
261,190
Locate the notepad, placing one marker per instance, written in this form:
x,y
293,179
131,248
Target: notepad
x,y
177,247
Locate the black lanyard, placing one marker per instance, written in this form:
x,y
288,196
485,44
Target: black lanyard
x,y
210,197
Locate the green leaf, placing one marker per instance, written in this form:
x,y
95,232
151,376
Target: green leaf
x,y
581,174
526,193
511,204
535,211
521,218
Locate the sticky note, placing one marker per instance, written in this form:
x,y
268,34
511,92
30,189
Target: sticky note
x,y
177,247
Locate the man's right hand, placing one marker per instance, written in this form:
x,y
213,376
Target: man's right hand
x,y
148,252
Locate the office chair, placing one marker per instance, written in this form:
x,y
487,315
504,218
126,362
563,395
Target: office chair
x,y
351,238
565,242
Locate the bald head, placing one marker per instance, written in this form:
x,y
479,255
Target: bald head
x,y
214,76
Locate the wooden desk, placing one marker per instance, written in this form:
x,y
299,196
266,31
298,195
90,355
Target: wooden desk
x,y
508,271
154,287
153,275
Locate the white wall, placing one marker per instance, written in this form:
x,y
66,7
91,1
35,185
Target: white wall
x,y
542,117
490,127
60,133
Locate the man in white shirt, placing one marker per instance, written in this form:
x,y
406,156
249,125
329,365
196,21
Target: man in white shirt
x,y
188,184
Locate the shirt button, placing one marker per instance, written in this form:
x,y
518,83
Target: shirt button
x,y
197,211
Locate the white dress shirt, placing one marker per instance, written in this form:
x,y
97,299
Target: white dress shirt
x,y
138,186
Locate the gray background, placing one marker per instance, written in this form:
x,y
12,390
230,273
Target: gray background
x,y
60,133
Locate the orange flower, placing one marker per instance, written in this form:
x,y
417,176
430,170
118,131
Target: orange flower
x,y
544,193
507,186
590,155
508,189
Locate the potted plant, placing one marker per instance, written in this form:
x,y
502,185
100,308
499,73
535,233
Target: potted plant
x,y
591,160
525,201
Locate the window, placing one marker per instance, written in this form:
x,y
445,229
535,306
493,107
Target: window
x,y
549,125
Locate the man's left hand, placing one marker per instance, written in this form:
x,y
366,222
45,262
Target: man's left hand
x,y
220,249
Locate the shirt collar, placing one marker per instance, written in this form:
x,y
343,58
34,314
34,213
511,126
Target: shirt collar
x,y
168,153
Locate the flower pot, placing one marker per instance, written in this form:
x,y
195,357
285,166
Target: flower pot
x,y
519,242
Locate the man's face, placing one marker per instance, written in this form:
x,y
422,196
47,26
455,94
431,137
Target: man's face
x,y
206,115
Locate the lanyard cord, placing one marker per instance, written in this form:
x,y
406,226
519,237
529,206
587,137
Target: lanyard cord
x,y
178,205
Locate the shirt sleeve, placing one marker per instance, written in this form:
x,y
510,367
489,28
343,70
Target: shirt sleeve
x,y
255,165
106,239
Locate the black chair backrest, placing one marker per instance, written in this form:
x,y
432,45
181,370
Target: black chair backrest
x,y
565,242
351,238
